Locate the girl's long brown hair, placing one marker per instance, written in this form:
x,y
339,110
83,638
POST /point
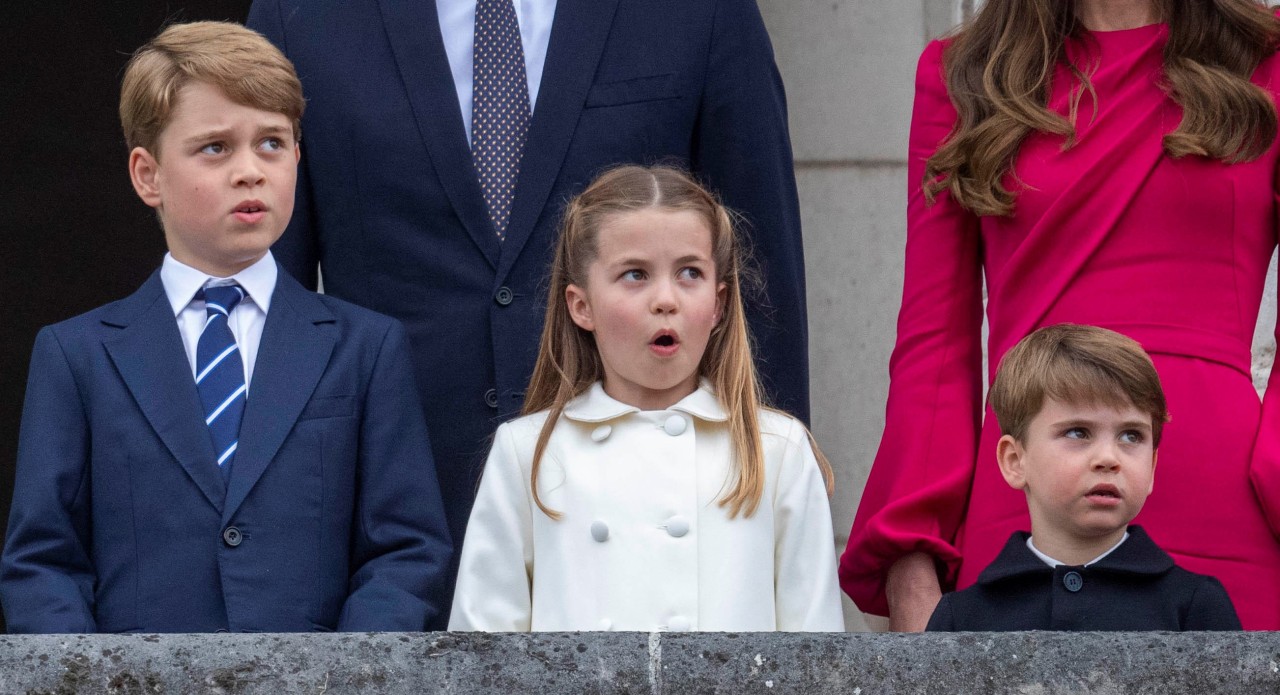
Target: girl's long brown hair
x,y
999,67
568,362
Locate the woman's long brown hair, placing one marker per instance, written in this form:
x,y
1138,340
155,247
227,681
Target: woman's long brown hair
x,y
568,362
999,67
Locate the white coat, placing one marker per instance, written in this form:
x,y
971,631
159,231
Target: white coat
x,y
642,543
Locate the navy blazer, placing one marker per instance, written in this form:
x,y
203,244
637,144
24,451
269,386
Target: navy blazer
x,y
389,204
1136,587
121,521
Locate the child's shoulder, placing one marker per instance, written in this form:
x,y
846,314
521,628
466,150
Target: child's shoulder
x,y
778,425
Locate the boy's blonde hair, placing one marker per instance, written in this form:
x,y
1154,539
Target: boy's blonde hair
x,y
568,361
1075,364
240,62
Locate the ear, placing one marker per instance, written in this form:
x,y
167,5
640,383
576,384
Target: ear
x,y
722,291
579,308
144,172
1011,457
297,151
1155,454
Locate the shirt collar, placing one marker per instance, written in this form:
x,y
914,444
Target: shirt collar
x,y
181,281
1137,555
1054,562
595,405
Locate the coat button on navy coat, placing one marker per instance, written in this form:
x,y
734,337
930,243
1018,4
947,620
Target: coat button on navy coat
x,y
491,398
1073,581
504,296
232,536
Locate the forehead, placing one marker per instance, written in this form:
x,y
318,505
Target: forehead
x,y
652,231
1060,410
200,107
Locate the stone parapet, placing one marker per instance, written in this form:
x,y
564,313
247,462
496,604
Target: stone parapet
x,y
656,664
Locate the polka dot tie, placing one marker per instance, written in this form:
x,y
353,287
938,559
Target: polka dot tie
x,y
500,107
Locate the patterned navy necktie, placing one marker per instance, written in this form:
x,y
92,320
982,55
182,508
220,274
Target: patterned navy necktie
x,y
500,107
220,373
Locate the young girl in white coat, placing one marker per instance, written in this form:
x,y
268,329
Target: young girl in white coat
x,y
647,488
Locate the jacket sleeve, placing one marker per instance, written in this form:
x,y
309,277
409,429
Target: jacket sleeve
x,y
806,594
494,587
1211,608
298,249
400,546
742,149
46,576
918,488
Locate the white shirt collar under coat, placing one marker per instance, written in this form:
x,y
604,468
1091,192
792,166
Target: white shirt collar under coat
x,y
597,406
181,281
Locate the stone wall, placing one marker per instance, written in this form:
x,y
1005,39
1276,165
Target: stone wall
x,y
849,68
656,664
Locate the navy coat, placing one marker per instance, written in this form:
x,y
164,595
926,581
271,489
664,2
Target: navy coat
x,y
1136,587
121,521
389,204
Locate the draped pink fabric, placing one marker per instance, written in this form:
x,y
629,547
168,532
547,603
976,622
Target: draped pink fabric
x,y
1111,232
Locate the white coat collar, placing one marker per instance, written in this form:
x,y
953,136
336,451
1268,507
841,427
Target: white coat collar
x,y
597,406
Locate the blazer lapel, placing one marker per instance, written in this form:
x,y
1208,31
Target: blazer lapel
x,y
413,29
292,356
578,37
151,360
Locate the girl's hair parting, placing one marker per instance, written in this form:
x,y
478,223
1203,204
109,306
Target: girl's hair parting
x,y
568,362
999,68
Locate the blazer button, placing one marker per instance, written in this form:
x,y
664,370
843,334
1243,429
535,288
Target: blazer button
x,y
232,536
679,623
491,398
601,433
677,526
1073,581
503,296
599,531
675,425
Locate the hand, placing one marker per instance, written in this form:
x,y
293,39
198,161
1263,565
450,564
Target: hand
x,y
913,592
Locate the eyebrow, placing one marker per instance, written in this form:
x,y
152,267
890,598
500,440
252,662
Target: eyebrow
x,y
1085,422
223,133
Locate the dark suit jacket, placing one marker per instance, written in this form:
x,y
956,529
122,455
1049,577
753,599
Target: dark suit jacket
x,y
121,521
389,203
1136,587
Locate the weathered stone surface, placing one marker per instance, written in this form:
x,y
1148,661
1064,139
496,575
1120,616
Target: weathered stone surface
x,y
658,664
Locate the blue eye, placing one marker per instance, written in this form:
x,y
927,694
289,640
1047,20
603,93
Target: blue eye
x,y
213,148
633,275
690,273
1132,437
1076,433
273,144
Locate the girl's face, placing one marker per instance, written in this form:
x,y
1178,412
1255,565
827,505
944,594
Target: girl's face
x,y
651,298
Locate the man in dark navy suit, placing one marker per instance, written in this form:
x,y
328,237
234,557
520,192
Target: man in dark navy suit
x,y
391,202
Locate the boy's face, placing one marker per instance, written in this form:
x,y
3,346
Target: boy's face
x,y
222,180
1086,469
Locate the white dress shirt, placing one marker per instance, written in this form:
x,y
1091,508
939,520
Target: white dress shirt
x,y
181,282
458,27
1054,562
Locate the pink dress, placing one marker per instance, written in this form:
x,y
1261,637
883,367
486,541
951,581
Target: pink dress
x,y
1112,232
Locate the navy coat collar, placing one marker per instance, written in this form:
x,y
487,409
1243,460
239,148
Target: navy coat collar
x,y
1138,555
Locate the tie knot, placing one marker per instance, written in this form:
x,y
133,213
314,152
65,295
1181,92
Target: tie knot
x,y
221,300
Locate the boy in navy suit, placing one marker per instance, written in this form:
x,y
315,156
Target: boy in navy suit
x,y
221,450
1081,410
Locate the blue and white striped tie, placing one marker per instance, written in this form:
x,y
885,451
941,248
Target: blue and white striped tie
x,y
220,373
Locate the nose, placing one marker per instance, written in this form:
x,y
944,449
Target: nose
x,y
247,170
1106,457
664,299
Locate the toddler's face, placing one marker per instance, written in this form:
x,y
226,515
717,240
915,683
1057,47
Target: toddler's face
x,y
222,179
651,299
1086,469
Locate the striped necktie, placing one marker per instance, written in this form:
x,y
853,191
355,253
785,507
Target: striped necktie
x,y
220,373
500,107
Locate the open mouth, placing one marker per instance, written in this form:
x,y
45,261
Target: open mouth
x,y
664,341
1104,493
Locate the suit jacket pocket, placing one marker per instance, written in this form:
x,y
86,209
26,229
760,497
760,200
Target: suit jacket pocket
x,y
633,90
329,406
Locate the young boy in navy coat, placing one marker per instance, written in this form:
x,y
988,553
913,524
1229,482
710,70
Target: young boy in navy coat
x,y
1081,410
221,450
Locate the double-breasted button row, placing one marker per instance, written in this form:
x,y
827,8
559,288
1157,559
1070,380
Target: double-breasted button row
x,y
675,426
677,527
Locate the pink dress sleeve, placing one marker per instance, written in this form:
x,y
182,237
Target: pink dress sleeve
x,y
919,484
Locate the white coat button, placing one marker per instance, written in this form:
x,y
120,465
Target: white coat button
x,y
599,531
675,425
601,433
678,623
606,624
677,526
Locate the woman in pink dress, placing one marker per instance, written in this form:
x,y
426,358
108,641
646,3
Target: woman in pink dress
x,y
1096,161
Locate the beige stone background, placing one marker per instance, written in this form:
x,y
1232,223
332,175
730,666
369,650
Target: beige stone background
x,y
849,67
